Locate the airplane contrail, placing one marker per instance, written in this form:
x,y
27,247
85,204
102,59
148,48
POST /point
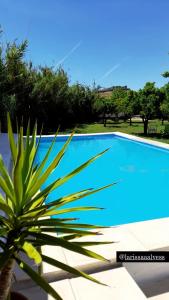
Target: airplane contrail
x,y
111,70
61,61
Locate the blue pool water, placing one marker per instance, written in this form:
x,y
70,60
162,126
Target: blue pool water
x,y
141,170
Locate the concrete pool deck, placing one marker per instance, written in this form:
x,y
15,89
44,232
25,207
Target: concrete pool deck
x,y
128,281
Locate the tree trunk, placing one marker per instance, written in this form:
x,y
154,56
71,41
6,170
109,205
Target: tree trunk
x,y
162,122
145,126
6,279
130,122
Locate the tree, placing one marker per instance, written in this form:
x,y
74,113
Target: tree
x,y
40,93
15,81
164,107
149,103
112,105
25,224
81,103
165,74
7,99
51,93
118,99
104,107
164,104
129,105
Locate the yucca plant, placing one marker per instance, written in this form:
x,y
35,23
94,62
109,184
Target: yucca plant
x,y
25,221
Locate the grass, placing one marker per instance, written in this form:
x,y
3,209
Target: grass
x,y
135,129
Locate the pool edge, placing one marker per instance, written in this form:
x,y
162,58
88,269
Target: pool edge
x,y
116,133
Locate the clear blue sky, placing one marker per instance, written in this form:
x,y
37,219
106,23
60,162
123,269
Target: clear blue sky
x,y
114,42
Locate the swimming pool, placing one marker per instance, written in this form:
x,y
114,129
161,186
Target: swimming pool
x,y
141,170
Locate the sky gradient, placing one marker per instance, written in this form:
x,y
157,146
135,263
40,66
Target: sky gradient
x,y
111,42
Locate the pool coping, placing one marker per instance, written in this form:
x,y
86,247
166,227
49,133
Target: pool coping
x,y
115,133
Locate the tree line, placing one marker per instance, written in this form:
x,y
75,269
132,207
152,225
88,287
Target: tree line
x,y
149,103
45,95
40,93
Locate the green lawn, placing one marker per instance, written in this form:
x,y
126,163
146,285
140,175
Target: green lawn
x,y
135,129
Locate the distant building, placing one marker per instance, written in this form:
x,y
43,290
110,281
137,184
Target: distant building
x,y
106,92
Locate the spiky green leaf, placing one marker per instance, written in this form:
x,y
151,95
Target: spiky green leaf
x,y
32,252
68,269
